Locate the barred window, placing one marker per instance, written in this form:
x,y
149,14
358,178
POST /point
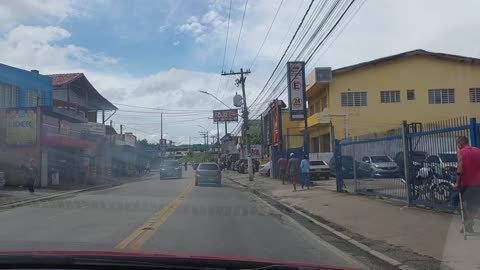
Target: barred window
x,y
317,106
475,95
354,99
410,94
441,96
390,96
32,97
8,96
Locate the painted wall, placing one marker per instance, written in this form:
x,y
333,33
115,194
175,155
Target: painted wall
x,y
420,73
26,80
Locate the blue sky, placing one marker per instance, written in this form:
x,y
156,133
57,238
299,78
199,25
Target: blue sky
x,y
160,53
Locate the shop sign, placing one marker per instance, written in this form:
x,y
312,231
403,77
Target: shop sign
x,y
21,127
296,90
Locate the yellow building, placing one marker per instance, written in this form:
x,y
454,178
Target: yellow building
x,y
375,96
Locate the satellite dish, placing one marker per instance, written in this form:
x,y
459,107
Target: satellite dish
x,y
237,100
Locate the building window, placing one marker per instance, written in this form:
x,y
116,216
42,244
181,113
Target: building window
x,y
317,106
441,96
475,95
311,109
32,97
8,96
354,99
390,96
410,94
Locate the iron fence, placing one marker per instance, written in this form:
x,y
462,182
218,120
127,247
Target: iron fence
x,y
417,166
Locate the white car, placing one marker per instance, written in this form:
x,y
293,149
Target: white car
x,y
319,169
265,168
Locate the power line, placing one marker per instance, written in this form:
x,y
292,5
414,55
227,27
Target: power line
x,y
266,36
226,38
160,109
239,34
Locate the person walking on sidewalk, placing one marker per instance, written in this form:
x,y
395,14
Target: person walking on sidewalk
x,y
282,166
293,169
468,179
30,176
305,166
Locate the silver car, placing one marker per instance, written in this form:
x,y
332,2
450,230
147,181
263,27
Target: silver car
x,y
378,166
208,173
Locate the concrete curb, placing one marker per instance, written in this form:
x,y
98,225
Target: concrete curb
x,y
52,196
359,245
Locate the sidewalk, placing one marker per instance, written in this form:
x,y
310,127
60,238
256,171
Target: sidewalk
x,y
388,227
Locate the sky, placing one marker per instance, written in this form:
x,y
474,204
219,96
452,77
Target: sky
x,y
160,53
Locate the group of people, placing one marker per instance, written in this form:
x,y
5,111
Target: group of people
x,y
293,168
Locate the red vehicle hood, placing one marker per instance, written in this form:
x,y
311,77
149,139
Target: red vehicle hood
x,y
146,255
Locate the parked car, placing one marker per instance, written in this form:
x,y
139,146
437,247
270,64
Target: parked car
x,y
170,168
442,164
243,166
236,165
378,166
347,166
208,172
265,168
418,157
319,169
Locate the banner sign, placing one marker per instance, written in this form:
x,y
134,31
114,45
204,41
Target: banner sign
x,y
21,127
225,115
296,90
275,123
256,150
267,127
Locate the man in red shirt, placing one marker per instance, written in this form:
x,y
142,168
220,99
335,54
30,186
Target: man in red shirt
x,y
468,179
282,166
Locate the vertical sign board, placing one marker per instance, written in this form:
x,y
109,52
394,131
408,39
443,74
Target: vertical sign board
x,y
275,124
296,90
21,127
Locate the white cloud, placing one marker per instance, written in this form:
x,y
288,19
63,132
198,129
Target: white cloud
x,y
35,47
12,11
176,43
163,28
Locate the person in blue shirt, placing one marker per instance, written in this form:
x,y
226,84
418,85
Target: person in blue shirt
x,y
305,166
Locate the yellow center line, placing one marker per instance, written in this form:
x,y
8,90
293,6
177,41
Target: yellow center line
x,y
148,228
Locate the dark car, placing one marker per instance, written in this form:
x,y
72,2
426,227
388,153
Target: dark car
x,y
243,166
417,157
347,166
170,168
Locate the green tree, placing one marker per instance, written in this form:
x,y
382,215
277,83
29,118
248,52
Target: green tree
x,y
255,135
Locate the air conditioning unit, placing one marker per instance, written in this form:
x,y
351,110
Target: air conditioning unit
x,y
323,74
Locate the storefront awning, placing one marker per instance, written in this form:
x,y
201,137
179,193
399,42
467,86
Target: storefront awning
x,y
67,141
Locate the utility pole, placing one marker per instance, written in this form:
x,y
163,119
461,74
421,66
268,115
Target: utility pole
x,y
225,127
241,81
161,126
204,145
121,129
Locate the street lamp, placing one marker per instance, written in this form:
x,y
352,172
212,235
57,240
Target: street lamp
x,y
212,95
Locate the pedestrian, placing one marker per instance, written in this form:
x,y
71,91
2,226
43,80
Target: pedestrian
x,y
305,166
30,176
293,169
282,167
468,180
186,165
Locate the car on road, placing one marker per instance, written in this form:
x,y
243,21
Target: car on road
x,y
265,168
208,172
378,166
417,157
171,169
319,169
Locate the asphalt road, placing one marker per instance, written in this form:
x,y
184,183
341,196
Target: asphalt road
x,y
168,216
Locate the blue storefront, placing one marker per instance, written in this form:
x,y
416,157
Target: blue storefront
x,y
22,94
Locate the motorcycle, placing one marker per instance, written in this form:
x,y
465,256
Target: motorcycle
x,y
431,186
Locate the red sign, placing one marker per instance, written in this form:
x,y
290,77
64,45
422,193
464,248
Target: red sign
x,y
225,115
275,123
